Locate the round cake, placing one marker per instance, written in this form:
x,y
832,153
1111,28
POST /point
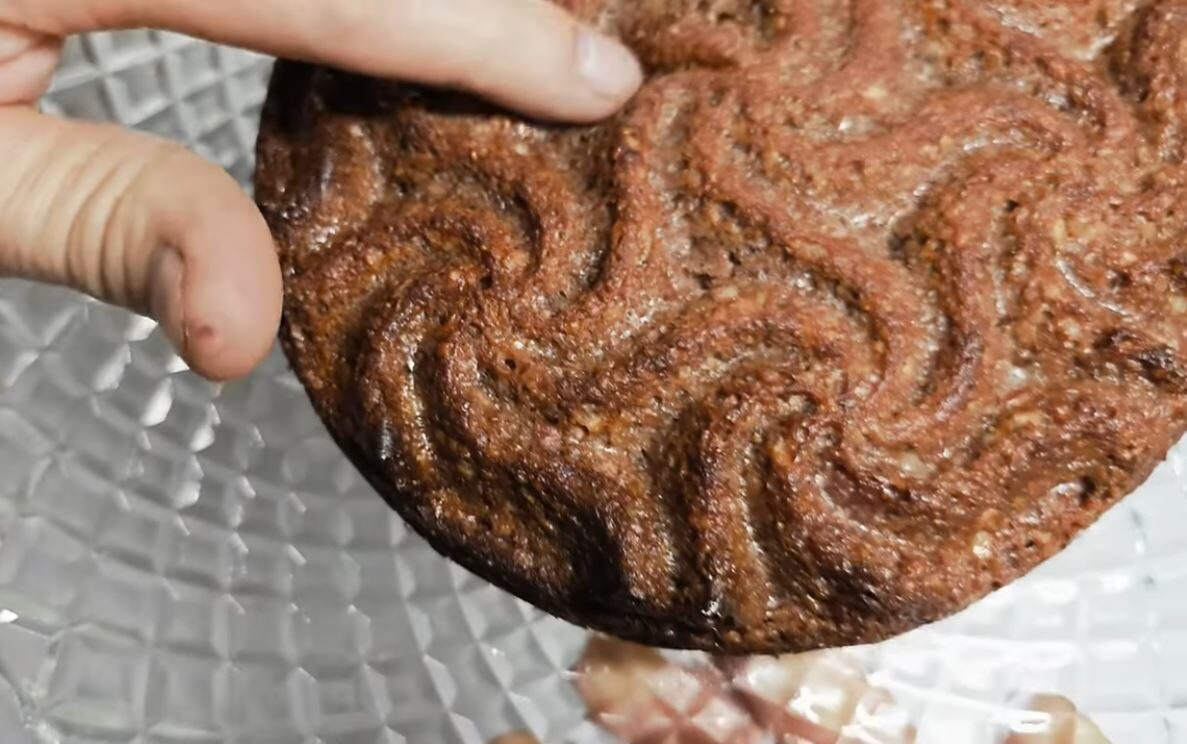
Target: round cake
x,y
858,311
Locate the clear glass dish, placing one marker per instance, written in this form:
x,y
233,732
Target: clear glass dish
x,y
183,562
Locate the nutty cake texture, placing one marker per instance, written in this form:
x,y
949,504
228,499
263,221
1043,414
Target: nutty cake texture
x,y
860,310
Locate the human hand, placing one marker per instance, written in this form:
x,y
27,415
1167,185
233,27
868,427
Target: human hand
x,y
145,224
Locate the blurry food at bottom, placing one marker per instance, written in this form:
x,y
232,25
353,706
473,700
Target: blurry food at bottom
x,y
823,697
1052,719
519,737
642,697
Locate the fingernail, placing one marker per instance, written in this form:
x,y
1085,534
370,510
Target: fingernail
x,y
166,274
606,66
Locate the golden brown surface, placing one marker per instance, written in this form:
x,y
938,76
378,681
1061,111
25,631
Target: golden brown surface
x,y
860,310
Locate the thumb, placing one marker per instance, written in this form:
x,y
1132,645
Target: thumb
x,y
143,224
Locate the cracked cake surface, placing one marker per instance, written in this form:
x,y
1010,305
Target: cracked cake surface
x,y
858,311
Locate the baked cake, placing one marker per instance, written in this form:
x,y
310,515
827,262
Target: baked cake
x,y
859,310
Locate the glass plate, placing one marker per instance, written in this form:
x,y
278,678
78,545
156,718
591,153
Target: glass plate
x,y
183,562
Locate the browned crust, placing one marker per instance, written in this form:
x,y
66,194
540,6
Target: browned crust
x,y
859,311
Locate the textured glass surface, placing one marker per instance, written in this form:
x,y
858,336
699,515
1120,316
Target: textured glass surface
x,y
182,562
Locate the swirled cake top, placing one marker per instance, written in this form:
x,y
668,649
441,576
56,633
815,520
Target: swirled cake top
x,y
858,311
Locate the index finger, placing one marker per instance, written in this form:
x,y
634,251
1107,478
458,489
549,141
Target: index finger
x,y
527,54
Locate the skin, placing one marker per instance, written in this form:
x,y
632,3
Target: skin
x,y
147,225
